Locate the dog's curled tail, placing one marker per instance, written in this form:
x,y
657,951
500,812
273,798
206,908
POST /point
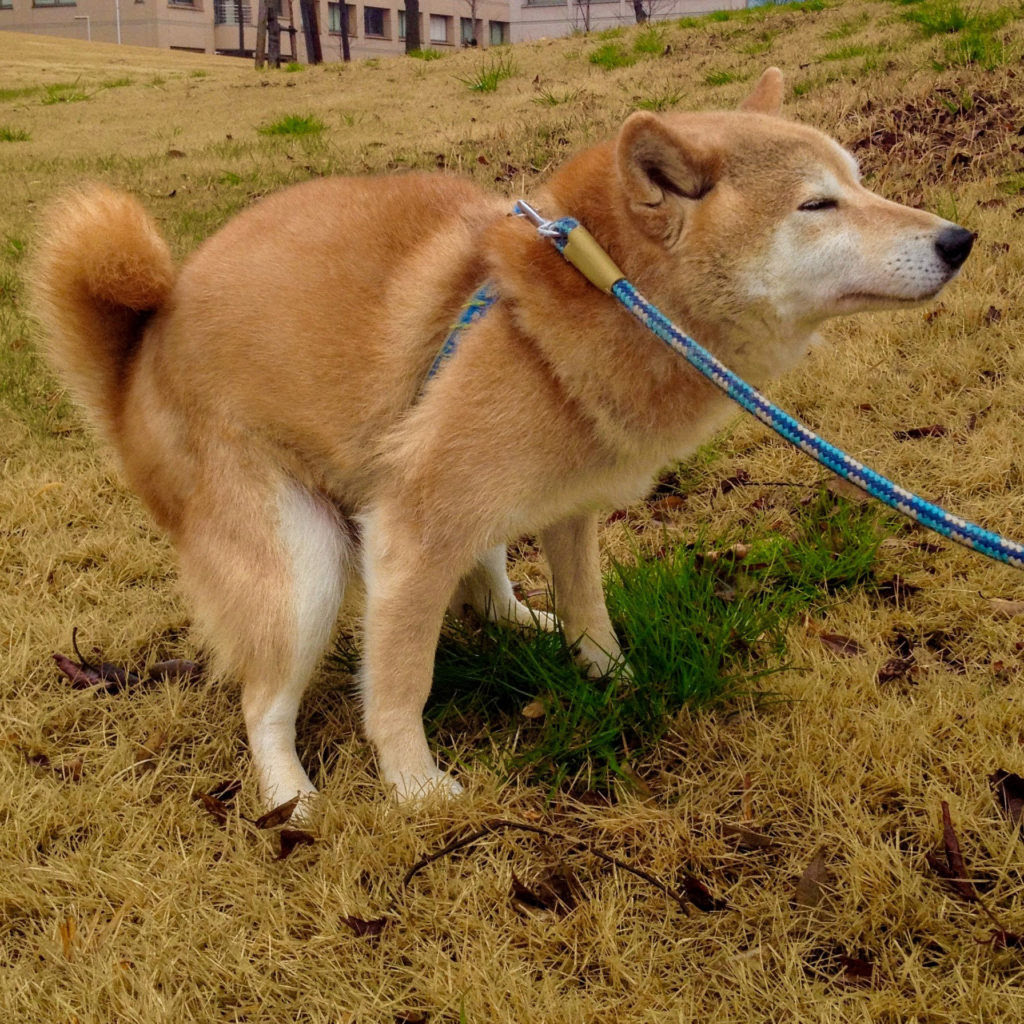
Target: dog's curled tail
x,y
101,269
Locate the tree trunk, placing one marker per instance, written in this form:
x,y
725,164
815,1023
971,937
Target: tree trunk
x,y
638,10
412,25
346,53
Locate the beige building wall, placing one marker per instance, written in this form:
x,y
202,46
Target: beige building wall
x,y
535,19
211,26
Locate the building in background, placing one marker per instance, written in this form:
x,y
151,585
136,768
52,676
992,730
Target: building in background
x,y
212,26
535,19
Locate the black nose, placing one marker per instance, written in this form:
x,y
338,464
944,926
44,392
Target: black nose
x,y
954,246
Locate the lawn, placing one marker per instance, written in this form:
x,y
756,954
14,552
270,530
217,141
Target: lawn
x,y
806,809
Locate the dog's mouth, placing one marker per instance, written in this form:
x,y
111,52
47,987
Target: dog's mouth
x,y
878,300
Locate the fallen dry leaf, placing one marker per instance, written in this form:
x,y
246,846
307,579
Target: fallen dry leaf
x,y
747,838
292,837
1008,790
917,433
950,867
535,709
149,749
844,646
217,809
363,928
556,890
278,815
811,886
845,489
175,668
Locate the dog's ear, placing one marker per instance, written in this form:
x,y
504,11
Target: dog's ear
x,y
661,172
767,95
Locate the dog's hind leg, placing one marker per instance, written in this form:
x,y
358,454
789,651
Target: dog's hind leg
x,y
487,590
266,569
572,551
408,580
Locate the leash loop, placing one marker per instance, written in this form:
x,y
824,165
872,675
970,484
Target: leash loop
x,y
578,246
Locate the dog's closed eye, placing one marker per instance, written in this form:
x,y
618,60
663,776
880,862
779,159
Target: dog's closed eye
x,y
819,204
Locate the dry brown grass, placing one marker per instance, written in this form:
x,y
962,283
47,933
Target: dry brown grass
x,y
121,900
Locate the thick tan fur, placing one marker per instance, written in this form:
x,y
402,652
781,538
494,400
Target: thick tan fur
x,y
271,406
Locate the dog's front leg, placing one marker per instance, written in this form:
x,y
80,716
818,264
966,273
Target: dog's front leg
x,y
572,552
408,584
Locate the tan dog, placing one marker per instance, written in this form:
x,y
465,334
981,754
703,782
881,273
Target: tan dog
x,y
269,401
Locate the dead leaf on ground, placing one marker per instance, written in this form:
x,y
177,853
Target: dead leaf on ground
x,y
217,809
844,646
71,771
895,668
292,837
535,709
845,489
700,896
66,933
1008,790
896,589
278,815
149,749
175,668
364,928
812,884
556,890
226,791
747,838
948,862
662,509
917,433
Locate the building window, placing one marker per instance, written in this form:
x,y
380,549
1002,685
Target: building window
x,y
466,35
182,3
440,28
376,22
53,3
499,33
334,19
6,5
225,12
401,25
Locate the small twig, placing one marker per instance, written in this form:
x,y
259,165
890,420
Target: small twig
x,y
499,825
81,660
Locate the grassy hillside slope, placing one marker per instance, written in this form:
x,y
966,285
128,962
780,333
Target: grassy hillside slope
x,y
812,814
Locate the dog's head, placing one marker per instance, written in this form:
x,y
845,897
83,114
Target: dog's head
x,y
764,221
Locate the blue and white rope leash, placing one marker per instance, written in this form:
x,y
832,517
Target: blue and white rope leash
x,y
577,245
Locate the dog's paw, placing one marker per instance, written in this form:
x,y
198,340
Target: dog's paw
x,y
411,787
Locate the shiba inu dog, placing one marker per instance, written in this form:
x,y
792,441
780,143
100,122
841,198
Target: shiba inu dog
x,y
269,401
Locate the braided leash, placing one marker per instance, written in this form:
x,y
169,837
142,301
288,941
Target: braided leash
x,y
578,246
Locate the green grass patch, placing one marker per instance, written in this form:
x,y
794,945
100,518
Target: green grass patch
x,y
944,17
848,28
846,53
9,134
974,47
292,66
19,92
663,101
115,83
550,98
427,54
491,73
720,77
63,92
699,626
295,125
650,40
612,55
